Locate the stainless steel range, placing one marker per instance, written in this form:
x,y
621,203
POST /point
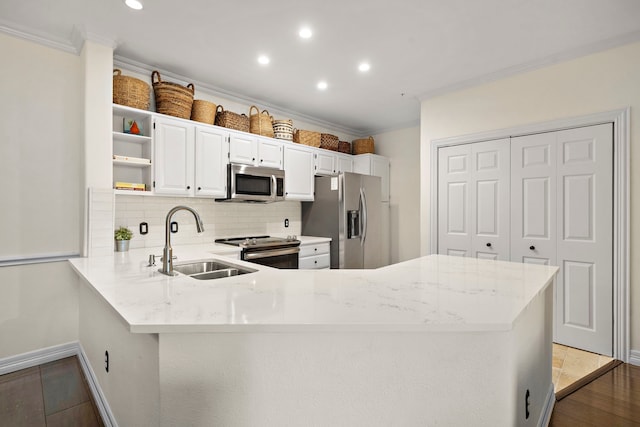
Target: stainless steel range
x,y
275,252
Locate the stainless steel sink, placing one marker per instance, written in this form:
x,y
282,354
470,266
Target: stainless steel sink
x,y
206,270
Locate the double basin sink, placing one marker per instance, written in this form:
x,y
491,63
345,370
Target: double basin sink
x,y
207,270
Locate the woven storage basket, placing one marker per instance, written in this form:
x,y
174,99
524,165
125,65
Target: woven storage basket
x,y
344,147
171,98
130,91
203,111
231,120
329,142
260,123
363,146
307,137
283,129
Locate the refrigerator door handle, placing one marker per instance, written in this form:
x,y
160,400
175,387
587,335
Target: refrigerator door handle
x,y
363,208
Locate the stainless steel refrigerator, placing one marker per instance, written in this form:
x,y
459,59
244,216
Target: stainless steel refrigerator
x,y
348,209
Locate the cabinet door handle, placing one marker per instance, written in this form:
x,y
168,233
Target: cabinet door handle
x,y
261,160
188,187
489,244
199,188
253,159
315,249
533,248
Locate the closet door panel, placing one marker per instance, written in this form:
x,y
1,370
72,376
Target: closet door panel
x,y
533,199
490,199
454,210
584,293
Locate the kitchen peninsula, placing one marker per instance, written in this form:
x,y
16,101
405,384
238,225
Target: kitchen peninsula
x,y
433,341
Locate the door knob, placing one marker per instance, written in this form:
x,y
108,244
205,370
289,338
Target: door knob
x,y
489,244
533,248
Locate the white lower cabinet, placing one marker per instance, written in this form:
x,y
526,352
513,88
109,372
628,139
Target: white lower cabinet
x,y
314,256
299,177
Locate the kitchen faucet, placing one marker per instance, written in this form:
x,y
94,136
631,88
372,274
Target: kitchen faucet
x,y
167,253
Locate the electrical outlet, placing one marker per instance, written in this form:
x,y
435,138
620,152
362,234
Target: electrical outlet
x,y
144,228
286,222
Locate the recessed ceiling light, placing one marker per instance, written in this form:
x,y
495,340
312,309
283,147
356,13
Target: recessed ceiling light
x,y
364,67
263,59
322,85
305,32
134,4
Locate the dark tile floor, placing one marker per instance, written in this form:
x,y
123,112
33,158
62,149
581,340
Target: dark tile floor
x,y
53,394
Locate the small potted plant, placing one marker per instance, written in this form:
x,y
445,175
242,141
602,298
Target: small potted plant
x,y
122,236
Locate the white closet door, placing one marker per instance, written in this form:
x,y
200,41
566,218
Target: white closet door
x,y
533,199
490,164
584,291
454,207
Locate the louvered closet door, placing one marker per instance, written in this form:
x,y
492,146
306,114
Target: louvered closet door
x,y
584,291
454,213
533,199
490,164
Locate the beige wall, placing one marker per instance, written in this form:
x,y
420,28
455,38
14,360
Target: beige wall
x,y
40,151
403,148
600,82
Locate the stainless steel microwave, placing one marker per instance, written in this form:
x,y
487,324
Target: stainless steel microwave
x,y
254,184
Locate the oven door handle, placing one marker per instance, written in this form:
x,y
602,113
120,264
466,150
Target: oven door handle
x,y
270,253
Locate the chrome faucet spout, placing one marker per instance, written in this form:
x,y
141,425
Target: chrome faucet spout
x,y
167,253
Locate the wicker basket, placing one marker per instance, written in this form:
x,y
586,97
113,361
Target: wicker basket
x,y
307,137
203,111
329,142
344,147
260,123
130,91
283,129
171,98
231,120
363,146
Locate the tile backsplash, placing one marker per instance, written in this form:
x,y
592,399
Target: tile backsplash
x,y
219,219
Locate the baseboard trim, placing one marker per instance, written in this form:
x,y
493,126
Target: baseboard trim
x,y
37,357
547,410
51,354
634,357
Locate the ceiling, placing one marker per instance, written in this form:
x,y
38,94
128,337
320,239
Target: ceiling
x,y
416,48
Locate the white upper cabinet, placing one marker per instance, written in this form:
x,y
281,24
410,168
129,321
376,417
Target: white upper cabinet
x,y
299,168
269,153
254,150
344,163
373,164
210,162
325,162
173,162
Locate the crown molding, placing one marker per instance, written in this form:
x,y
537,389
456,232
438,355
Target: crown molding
x,y
80,35
534,65
39,38
142,68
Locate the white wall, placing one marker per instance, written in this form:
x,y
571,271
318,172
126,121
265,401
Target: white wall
x,y
40,150
595,83
402,146
40,134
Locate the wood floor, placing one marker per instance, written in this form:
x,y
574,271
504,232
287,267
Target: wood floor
x,y
612,399
53,394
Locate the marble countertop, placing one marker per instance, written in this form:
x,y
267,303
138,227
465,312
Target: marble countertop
x,y
432,293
